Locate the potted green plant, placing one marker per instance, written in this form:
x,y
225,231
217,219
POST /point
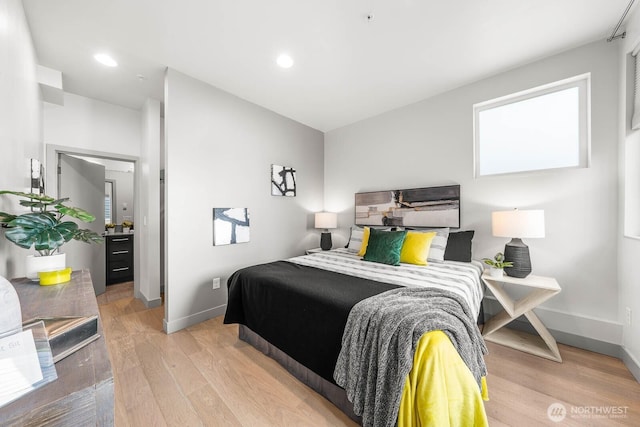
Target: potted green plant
x,y
110,227
127,226
497,264
45,229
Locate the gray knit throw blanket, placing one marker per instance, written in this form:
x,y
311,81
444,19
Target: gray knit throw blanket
x,y
380,339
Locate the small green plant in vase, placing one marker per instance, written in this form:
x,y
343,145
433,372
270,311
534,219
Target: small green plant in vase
x,y
127,226
497,264
110,227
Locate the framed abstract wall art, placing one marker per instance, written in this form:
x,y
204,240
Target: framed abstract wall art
x,y
417,207
230,226
283,181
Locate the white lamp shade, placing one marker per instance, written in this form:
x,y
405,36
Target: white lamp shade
x,y
517,223
326,220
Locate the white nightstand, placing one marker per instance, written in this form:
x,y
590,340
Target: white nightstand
x,y
540,289
313,251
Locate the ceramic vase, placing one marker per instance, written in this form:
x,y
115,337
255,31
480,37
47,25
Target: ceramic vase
x,y
37,263
496,272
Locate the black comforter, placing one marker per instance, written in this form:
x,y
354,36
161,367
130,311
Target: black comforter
x,y
301,310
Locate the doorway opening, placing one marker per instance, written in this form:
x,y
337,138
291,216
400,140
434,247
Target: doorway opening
x,y
83,176
118,218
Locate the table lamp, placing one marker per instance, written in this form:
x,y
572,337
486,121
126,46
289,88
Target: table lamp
x,y
326,220
517,224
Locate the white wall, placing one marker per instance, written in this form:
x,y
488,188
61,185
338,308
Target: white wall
x,y
20,120
90,124
629,235
147,285
219,150
431,143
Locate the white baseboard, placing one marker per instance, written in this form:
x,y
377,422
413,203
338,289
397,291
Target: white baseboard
x,y
631,363
157,302
600,336
184,322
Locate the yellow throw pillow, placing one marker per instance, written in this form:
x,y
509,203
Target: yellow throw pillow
x,y
415,248
365,241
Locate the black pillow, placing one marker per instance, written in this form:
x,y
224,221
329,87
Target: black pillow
x,y
459,246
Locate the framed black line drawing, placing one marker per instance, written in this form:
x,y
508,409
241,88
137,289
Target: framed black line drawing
x,y
283,181
230,226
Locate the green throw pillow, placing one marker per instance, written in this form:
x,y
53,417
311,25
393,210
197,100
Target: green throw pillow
x,y
385,246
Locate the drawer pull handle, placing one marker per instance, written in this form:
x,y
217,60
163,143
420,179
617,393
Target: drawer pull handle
x,y
120,269
119,252
126,239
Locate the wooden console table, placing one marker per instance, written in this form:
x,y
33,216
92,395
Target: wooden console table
x,y
83,393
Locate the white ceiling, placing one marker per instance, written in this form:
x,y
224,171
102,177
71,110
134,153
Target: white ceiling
x,y
346,68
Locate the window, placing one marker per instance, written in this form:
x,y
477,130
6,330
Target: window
x,y
109,202
547,127
107,209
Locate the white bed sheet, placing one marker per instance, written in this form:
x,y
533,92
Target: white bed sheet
x,y
463,278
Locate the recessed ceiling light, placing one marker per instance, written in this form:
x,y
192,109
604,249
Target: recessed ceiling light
x,y
105,59
285,61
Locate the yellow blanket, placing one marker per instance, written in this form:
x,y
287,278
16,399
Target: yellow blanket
x,y
440,389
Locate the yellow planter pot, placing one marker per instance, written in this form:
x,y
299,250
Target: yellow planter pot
x,y
56,277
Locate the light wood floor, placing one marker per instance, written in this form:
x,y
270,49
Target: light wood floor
x,y
204,375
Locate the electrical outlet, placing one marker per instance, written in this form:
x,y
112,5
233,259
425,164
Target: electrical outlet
x,y
628,316
216,283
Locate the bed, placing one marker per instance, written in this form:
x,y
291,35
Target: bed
x,y
314,314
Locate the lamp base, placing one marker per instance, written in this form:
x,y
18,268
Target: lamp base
x,y
325,241
518,253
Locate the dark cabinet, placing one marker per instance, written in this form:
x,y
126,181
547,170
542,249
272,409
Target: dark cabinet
x,y
119,258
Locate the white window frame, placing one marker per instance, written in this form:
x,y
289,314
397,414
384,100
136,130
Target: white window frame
x,y
582,82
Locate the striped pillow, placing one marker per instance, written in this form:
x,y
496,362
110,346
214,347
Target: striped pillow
x,y
355,241
357,237
438,244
